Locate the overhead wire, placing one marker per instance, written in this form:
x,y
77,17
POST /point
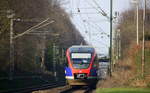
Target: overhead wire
x,y
86,23
71,7
95,28
92,13
83,21
39,25
102,43
78,23
101,12
101,33
90,36
101,29
98,27
90,24
78,4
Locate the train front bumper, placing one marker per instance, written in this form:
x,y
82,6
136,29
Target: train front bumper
x,y
88,81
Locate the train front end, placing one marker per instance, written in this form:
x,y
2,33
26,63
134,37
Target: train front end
x,y
82,66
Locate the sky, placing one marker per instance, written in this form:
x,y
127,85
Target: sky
x,y
93,26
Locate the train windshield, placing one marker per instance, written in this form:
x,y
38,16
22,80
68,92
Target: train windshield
x,y
81,60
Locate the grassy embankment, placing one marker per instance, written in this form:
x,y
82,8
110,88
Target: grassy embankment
x,y
137,78
123,90
146,67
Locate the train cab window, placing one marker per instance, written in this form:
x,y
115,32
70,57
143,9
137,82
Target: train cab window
x,y
81,60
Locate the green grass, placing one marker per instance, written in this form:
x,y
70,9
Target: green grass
x,y
123,90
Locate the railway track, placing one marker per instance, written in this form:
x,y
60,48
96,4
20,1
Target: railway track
x,y
78,89
36,88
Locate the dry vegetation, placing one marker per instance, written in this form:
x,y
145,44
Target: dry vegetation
x,y
124,74
126,70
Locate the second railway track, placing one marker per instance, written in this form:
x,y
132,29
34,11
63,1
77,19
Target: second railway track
x,y
36,88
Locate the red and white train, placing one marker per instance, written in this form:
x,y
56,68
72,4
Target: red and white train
x,y
82,66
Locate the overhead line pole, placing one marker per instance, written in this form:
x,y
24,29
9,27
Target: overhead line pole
x,y
111,19
136,2
137,22
143,43
11,50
